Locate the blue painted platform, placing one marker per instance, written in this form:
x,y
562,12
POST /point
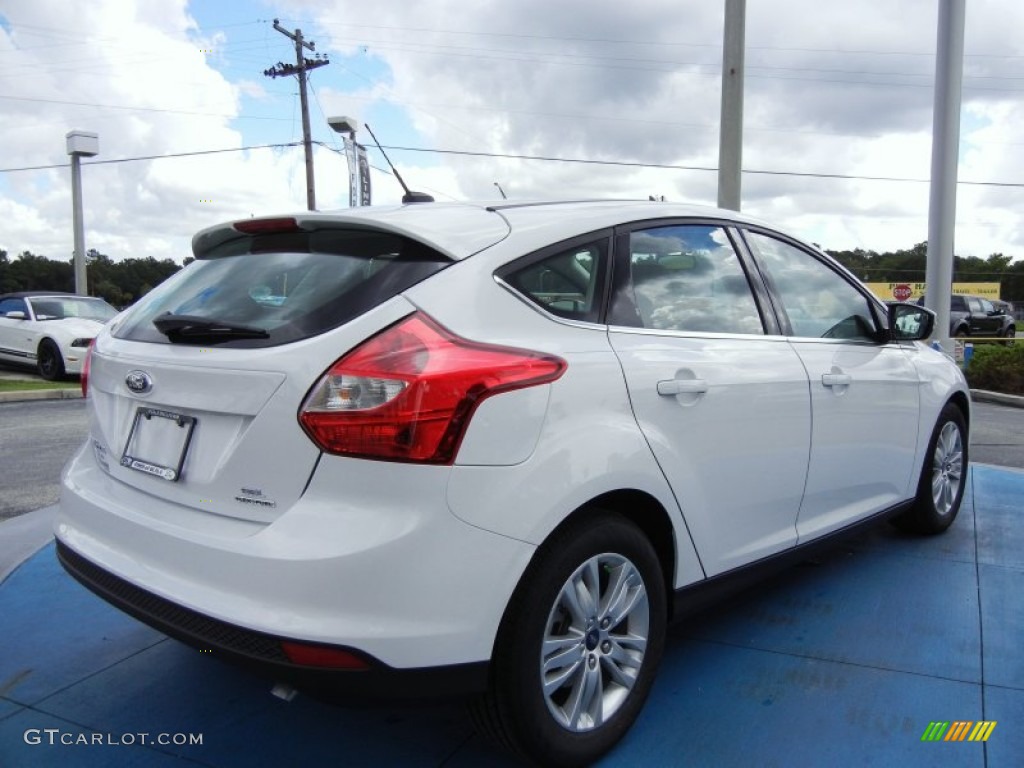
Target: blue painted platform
x,y
841,661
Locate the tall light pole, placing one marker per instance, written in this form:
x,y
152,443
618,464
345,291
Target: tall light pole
x,y
730,136
949,71
80,144
355,157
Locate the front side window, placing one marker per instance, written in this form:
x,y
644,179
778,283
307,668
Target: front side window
x,y
689,278
819,302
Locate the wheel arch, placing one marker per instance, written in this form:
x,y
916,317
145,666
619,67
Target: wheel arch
x,y
638,507
961,401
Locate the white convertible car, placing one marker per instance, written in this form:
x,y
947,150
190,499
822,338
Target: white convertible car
x,y
50,331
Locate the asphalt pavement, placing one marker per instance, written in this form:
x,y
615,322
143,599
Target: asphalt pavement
x,y
822,647
36,440
853,658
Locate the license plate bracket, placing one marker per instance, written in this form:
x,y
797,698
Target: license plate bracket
x,y
158,442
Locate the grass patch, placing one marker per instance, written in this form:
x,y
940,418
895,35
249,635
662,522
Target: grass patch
x,y
18,385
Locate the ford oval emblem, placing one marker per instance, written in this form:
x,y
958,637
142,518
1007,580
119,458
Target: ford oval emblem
x,y
138,382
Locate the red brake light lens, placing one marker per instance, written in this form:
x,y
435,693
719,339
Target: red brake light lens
x,y
322,656
86,364
407,394
266,226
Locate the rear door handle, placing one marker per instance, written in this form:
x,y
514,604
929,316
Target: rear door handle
x,y
670,387
836,379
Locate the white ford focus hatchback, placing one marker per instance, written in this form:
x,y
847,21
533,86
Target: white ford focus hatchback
x,y
444,448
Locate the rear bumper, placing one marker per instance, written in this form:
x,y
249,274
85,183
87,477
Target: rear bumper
x,y
370,558
262,653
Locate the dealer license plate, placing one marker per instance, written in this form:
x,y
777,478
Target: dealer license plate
x,y
158,442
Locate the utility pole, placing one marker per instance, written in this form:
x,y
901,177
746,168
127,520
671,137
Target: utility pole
x,y
301,66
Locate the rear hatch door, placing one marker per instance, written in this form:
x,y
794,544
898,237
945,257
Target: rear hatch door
x,y
196,390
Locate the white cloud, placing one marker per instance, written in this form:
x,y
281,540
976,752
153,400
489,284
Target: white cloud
x,y
841,88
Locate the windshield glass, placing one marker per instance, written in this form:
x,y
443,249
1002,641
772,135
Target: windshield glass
x,y
281,287
61,307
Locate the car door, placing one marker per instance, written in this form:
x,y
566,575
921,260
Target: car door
x,y
719,394
988,322
15,334
864,392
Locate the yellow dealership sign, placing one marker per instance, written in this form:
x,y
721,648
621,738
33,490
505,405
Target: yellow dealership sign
x,y
914,291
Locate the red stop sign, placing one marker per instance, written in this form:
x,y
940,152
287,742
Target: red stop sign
x,y
902,292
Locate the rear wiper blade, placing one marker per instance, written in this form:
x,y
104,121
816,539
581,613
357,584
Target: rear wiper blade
x,y
194,328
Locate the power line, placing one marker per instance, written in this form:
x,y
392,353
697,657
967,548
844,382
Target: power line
x,y
712,69
669,166
138,109
156,157
619,41
541,158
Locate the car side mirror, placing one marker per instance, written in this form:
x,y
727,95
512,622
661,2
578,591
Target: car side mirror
x,y
15,315
909,322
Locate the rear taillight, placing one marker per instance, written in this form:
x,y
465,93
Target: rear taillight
x,y
407,394
86,363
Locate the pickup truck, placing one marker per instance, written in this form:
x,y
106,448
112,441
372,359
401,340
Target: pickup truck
x,y
975,316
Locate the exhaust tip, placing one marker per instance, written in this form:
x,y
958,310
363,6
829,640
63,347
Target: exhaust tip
x,y
284,692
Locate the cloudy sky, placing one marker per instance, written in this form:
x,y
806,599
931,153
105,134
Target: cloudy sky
x,y
632,89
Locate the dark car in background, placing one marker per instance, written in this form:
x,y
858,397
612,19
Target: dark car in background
x,y
978,316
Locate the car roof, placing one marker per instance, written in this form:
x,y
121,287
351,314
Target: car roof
x,y
37,294
459,230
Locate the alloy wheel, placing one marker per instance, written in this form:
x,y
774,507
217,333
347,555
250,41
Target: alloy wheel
x,y
595,641
947,468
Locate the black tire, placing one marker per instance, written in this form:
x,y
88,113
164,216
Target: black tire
x,y
517,712
1011,333
960,333
49,361
943,477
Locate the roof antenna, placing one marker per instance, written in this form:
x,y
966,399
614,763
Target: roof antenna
x,y
409,196
503,195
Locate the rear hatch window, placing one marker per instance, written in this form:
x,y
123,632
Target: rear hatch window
x,y
271,289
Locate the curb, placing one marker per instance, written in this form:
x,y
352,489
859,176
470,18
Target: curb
x,y
41,394
984,396
23,536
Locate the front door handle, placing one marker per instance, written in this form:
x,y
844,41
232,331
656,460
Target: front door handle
x,y
836,379
670,387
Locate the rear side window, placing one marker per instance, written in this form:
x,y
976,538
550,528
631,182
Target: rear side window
x,y
567,280
284,287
